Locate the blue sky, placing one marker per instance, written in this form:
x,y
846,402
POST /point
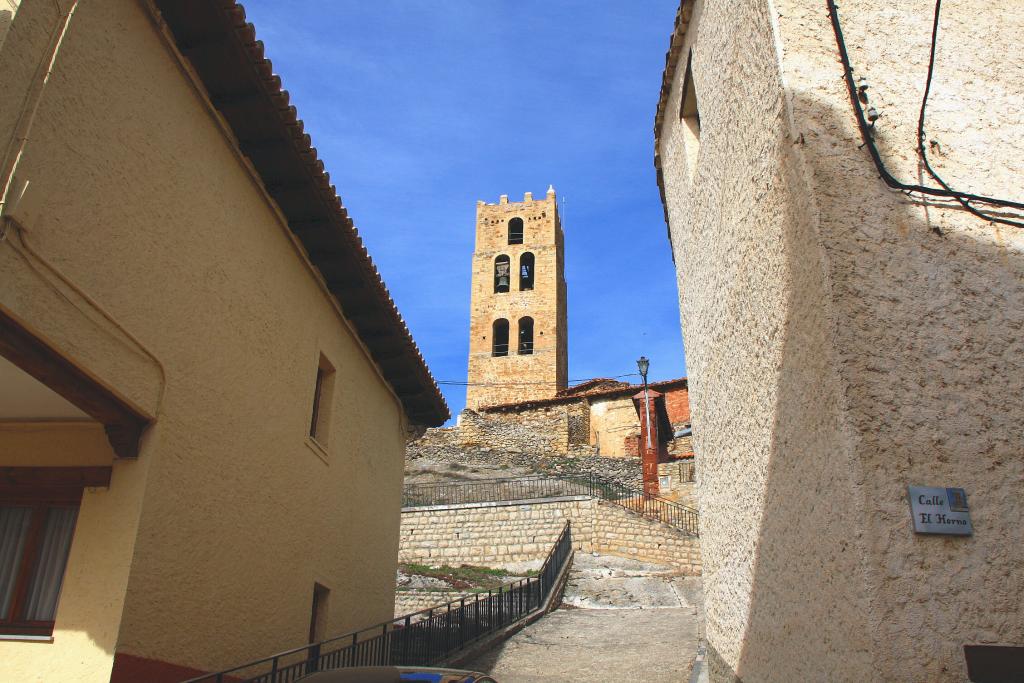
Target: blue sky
x,y
419,109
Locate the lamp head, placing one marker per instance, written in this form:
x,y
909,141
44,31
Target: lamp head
x,y
643,364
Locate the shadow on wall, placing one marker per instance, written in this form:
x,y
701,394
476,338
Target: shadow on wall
x,y
6,18
841,589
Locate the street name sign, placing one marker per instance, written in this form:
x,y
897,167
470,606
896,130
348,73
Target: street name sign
x,y
938,510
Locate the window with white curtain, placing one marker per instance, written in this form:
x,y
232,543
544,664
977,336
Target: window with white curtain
x,y
34,543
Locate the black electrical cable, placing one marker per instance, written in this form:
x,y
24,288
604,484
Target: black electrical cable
x,y
575,382
865,132
922,151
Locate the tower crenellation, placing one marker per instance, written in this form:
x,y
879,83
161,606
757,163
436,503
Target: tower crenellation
x,y
518,328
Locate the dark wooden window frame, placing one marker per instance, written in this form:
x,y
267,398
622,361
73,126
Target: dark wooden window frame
x,y
323,397
40,489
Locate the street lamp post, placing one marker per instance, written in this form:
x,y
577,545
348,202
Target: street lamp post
x,y
643,364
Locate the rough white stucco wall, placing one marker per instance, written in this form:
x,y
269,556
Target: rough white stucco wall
x,y
927,326
839,349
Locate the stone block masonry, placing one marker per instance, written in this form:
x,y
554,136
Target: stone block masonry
x,y
530,359
408,602
617,531
497,534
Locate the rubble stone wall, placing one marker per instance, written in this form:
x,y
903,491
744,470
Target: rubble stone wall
x,y
442,446
561,429
604,425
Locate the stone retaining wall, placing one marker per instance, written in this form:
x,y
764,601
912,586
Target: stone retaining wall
x,y
617,531
407,602
497,534
492,534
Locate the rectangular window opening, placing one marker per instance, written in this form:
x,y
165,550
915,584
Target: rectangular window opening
x,y
689,114
319,425
318,613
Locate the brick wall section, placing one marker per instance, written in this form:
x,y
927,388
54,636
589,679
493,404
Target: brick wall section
x,y
677,405
495,534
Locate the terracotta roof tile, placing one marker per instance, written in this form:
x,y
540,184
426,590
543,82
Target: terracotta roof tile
x,y
599,392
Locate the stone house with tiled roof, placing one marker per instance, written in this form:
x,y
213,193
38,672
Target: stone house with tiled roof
x,y
596,417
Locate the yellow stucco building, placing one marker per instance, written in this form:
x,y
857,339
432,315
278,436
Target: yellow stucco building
x,y
205,388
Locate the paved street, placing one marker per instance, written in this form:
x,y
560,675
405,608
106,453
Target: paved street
x,y
622,620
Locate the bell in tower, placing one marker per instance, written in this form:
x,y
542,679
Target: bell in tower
x,y
502,267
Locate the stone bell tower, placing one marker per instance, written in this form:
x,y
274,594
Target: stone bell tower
x,y
517,329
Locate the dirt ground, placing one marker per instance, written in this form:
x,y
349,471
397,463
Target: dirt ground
x,y
426,470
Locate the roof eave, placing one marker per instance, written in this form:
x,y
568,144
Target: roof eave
x,y
614,392
241,85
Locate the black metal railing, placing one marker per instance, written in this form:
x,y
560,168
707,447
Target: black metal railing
x,y
531,488
490,490
422,638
